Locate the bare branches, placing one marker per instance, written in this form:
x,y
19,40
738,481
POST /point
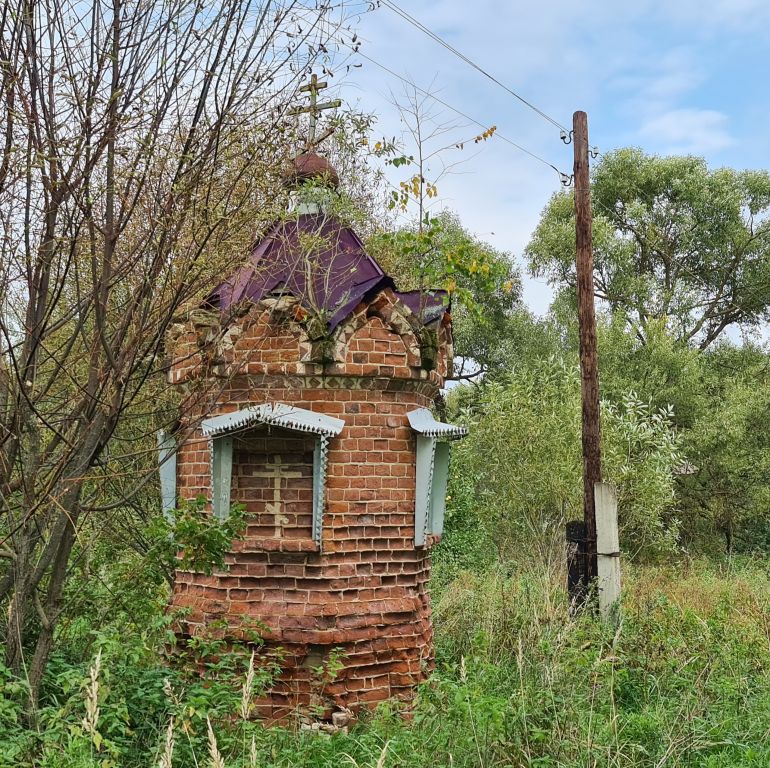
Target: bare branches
x,y
138,141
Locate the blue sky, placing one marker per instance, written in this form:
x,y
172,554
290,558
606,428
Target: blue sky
x,y
670,77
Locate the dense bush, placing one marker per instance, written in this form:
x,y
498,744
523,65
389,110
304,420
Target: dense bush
x,y
683,679
522,459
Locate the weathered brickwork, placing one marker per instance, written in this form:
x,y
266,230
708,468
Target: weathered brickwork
x,y
270,466
364,590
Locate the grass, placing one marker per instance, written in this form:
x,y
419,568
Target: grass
x,y
682,680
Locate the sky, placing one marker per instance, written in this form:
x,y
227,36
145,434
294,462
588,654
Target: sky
x,y
676,76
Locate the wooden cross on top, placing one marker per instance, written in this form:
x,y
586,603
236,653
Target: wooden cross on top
x,y
314,109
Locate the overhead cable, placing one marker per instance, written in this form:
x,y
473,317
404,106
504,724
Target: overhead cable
x,y
462,114
437,38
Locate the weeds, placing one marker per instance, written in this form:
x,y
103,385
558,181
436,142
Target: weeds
x,y
684,680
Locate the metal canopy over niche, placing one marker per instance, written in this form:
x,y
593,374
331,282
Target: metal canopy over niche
x,y
432,472
220,431
275,414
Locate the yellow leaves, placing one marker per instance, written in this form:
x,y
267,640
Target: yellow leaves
x,y
485,135
508,286
416,186
451,286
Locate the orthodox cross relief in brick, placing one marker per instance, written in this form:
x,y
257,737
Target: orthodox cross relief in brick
x,y
277,473
273,477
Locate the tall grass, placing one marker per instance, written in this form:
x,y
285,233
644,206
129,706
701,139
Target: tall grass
x,y
682,680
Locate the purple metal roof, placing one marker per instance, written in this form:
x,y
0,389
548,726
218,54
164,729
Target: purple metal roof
x,y
428,305
322,263
313,258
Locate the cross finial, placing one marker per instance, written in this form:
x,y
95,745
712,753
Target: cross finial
x,y
314,109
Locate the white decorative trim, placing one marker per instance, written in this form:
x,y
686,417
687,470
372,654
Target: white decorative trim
x,y
275,414
422,422
320,460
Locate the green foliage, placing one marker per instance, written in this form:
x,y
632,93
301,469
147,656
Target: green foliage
x,y
728,491
719,401
716,400
524,452
683,680
663,371
674,242
483,285
193,539
641,453
442,255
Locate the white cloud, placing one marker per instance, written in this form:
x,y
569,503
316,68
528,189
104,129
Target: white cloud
x,y
687,131
647,72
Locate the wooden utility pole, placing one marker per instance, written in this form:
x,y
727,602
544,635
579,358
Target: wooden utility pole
x,y
589,370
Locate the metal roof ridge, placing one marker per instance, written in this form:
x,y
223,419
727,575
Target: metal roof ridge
x,y
276,414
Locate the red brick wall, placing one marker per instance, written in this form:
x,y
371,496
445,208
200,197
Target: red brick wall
x,y
366,590
255,457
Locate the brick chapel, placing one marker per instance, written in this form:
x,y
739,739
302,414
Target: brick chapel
x,y
324,376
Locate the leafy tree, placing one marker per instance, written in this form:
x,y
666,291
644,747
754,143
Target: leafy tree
x,y
482,284
662,371
434,251
719,401
726,489
134,137
675,243
524,455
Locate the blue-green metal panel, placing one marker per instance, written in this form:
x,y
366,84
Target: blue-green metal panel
x,y
221,475
438,490
426,449
167,471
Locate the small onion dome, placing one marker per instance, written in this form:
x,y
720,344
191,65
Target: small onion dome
x,y
309,166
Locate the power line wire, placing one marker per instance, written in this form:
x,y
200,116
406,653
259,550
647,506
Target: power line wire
x,y
437,38
470,119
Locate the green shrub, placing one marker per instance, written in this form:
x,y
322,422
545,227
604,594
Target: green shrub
x,y
683,680
523,461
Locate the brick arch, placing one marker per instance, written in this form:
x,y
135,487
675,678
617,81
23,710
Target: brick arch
x,y
374,350
265,339
393,316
